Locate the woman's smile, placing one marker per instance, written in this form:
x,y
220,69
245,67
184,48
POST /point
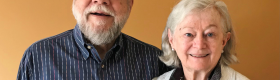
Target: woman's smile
x,y
199,55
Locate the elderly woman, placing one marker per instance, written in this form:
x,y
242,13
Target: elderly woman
x,y
199,42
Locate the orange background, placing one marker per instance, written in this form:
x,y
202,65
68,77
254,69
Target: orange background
x,y
256,23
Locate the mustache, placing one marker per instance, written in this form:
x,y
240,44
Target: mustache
x,y
95,8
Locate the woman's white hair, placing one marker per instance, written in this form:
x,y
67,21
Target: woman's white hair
x,y
179,12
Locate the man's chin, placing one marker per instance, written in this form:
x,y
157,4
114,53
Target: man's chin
x,y
100,35
100,27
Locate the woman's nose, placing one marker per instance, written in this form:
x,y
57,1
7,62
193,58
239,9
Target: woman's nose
x,y
199,42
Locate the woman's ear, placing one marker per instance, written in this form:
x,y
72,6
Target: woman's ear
x,y
225,40
170,38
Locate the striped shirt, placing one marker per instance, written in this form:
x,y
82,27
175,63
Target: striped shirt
x,y
67,56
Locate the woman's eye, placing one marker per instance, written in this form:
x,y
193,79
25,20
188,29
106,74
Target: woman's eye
x,y
210,34
189,35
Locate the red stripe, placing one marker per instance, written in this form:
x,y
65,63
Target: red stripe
x,y
78,65
53,61
144,64
90,69
124,67
42,60
65,59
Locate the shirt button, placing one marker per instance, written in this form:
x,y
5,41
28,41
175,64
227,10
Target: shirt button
x,y
88,47
102,66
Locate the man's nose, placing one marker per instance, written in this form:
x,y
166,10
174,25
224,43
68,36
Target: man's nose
x,y
199,42
104,2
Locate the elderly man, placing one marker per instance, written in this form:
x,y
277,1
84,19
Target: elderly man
x,y
94,50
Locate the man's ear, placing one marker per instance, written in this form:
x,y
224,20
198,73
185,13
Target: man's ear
x,y
225,40
131,3
170,38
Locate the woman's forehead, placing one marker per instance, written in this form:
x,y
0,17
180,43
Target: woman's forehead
x,y
201,19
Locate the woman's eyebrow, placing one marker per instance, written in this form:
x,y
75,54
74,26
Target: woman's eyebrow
x,y
210,26
185,27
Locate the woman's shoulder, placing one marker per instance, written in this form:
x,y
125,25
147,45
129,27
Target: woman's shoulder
x,y
230,74
227,74
165,76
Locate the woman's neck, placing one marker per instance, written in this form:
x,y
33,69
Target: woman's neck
x,y
196,75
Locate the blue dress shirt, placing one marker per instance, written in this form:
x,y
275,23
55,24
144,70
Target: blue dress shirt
x,y
67,56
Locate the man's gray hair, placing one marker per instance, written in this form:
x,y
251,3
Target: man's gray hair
x,y
179,12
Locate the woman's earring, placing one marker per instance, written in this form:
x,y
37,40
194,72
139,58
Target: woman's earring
x,y
222,51
172,49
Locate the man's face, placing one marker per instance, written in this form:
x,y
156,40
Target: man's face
x,y
101,21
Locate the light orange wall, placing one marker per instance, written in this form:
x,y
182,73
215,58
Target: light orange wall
x,y
256,23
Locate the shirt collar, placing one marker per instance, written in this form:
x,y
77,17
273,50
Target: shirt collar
x,y
118,47
178,74
78,36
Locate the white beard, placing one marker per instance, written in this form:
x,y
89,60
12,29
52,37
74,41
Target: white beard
x,y
99,35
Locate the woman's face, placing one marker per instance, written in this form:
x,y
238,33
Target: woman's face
x,y
199,40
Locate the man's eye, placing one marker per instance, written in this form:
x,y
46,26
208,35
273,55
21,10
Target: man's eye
x,y
189,35
210,34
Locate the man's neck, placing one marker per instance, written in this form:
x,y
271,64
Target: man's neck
x,y
103,49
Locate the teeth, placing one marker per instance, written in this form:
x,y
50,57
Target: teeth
x,y
199,56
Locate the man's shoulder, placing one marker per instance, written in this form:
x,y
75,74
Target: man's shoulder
x,y
43,42
138,42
